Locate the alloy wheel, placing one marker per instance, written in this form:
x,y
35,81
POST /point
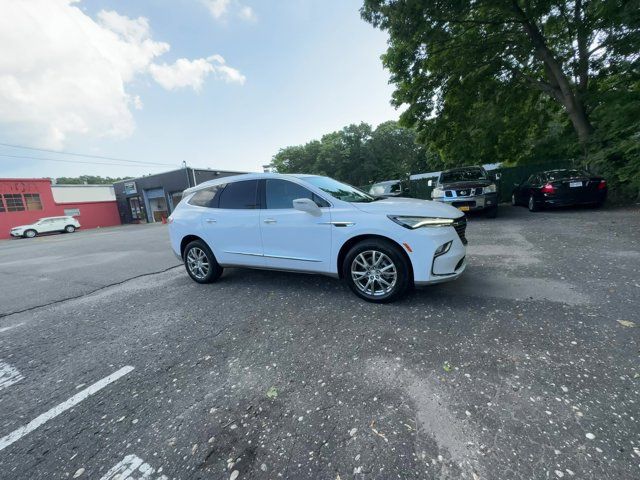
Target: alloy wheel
x,y
374,273
198,263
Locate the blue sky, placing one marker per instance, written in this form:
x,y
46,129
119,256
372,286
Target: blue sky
x,y
309,67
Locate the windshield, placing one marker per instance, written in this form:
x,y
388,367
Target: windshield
x,y
463,175
384,188
339,190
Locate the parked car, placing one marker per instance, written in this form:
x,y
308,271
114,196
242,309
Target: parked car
x,y
315,224
389,188
560,188
469,189
46,225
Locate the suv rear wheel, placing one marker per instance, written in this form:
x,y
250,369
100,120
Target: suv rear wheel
x,y
200,262
376,271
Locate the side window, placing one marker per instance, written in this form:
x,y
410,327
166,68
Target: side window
x,y
240,195
281,194
207,197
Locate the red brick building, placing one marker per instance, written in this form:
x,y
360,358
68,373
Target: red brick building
x,y
25,200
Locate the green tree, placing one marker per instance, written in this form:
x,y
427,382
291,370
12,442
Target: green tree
x,y
360,155
444,55
89,180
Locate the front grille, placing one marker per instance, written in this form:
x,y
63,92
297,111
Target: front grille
x,y
465,203
460,224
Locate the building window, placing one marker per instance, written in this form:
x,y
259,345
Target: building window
x,y
33,201
13,202
2,209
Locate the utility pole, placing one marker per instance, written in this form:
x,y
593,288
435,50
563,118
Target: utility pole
x,y
186,171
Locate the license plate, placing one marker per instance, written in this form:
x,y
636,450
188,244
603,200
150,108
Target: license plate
x,y
575,184
464,208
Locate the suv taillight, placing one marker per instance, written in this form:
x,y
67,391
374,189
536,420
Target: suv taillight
x,y
602,185
548,188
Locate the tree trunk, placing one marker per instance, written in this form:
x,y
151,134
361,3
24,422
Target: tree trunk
x,y
561,87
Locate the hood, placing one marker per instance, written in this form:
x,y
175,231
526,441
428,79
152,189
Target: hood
x,y
20,226
467,184
409,207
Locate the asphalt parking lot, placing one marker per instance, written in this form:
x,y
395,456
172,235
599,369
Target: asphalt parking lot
x,y
113,364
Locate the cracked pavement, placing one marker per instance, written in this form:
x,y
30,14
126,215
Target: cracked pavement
x,y
521,369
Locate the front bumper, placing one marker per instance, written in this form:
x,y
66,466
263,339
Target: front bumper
x,y
472,202
17,233
429,268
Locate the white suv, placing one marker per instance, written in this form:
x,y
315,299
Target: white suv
x,y
315,224
46,225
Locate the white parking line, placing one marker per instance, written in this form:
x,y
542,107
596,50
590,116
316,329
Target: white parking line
x,y
61,408
4,329
8,375
131,468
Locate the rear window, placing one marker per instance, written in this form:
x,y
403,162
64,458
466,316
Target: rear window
x,y
240,195
562,174
207,197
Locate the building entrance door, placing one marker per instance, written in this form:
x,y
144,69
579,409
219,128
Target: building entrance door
x,y
137,209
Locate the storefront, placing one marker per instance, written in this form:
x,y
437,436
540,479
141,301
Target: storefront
x,y
25,200
153,198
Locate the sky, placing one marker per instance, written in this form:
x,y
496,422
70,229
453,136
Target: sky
x,y
221,84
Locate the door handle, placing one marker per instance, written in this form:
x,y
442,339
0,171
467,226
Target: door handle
x,y
211,220
270,220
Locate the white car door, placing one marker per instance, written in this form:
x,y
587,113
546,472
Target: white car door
x,y
45,226
292,239
59,224
231,224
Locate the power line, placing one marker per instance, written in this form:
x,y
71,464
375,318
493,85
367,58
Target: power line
x,y
75,154
79,161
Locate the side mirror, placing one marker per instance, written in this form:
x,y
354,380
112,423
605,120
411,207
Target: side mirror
x,y
307,205
430,183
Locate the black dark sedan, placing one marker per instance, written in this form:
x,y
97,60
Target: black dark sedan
x,y
560,188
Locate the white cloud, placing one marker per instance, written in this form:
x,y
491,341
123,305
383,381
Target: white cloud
x,y
219,9
247,13
63,73
192,73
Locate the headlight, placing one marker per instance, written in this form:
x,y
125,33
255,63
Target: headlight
x,y
417,222
437,193
490,188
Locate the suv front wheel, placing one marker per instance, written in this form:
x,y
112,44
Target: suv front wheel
x,y
376,271
200,262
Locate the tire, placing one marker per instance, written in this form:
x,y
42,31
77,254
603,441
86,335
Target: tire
x,y
532,204
200,262
492,212
378,285
69,229
30,233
